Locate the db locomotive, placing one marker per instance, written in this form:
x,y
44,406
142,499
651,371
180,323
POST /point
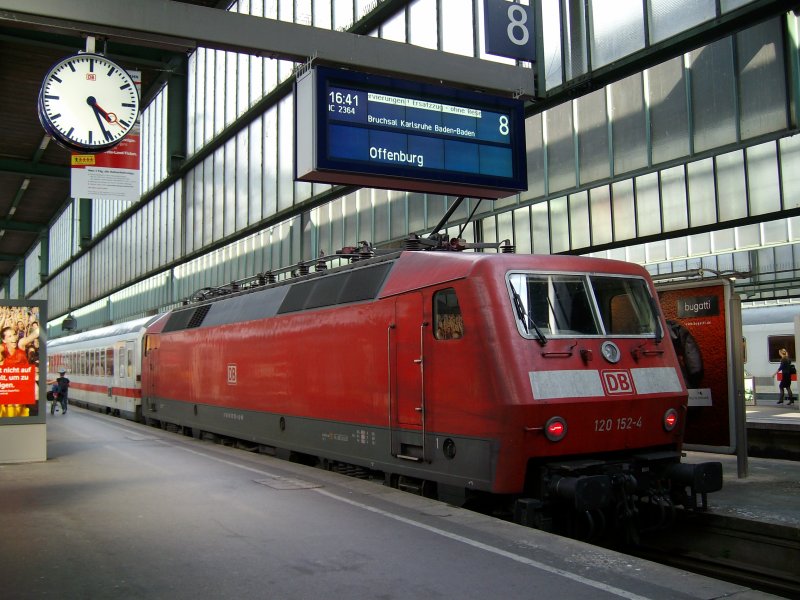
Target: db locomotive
x,y
542,388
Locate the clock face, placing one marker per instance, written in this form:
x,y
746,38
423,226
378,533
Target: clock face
x,y
88,103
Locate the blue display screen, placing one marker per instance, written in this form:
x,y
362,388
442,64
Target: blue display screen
x,y
378,127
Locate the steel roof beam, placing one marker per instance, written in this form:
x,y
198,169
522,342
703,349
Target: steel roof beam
x,y
183,27
12,225
28,168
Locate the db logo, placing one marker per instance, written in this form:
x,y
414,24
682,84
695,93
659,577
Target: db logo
x,y
618,382
232,374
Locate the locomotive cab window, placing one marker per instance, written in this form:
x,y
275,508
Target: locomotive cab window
x,y
550,304
562,304
447,318
625,305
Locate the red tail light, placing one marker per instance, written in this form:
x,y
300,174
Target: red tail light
x,y
670,419
555,429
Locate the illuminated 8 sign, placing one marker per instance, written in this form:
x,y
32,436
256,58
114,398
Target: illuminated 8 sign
x,y
509,30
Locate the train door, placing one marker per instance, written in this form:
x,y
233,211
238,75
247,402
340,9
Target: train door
x,y
150,353
124,374
130,367
409,363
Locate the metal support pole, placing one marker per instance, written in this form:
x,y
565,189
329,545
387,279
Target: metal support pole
x,y
737,364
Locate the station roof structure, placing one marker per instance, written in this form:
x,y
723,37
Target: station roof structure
x,y
35,171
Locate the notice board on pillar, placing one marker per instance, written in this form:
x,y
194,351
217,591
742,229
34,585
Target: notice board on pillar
x,y
699,320
22,387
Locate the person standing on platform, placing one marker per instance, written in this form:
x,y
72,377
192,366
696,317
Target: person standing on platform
x,y
785,369
62,391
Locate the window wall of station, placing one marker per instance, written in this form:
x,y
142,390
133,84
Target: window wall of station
x,y
598,33
695,141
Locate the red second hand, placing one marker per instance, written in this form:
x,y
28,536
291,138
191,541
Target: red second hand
x,y
102,112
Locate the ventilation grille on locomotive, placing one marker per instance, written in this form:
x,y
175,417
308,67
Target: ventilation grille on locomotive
x,y
343,288
187,319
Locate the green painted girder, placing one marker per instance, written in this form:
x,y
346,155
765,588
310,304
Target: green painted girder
x,y
31,169
12,225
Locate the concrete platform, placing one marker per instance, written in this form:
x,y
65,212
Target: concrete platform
x,y
769,494
121,510
773,413
773,431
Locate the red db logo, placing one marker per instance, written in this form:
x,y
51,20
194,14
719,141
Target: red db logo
x,y
618,382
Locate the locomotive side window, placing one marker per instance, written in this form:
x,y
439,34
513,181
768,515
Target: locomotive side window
x,y
447,318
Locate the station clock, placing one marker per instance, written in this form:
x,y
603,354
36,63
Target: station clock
x,y
88,103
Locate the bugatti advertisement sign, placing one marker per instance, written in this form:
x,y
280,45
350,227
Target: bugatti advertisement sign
x,y
698,328
698,306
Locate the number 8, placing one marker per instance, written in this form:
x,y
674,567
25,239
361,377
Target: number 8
x,y
504,125
518,18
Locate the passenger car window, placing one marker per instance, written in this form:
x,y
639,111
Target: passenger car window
x,y
447,318
776,342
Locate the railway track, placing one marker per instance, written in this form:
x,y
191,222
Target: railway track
x,y
762,556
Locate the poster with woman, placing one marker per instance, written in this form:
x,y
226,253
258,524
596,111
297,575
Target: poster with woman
x,y
20,343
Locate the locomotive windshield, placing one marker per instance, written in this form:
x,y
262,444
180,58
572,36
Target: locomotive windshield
x,y
551,304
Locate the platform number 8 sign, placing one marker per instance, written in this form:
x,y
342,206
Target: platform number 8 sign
x,y
509,29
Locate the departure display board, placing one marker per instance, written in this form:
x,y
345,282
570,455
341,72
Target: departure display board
x,y
371,130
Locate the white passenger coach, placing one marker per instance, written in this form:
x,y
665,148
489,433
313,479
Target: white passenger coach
x,y
103,366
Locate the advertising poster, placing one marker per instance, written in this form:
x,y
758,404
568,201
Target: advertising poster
x,y
698,326
113,174
20,347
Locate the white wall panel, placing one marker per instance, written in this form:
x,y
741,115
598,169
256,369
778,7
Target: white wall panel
x,y
762,103
617,28
600,205
62,244
32,268
670,17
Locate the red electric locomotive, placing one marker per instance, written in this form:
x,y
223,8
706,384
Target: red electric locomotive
x,y
541,385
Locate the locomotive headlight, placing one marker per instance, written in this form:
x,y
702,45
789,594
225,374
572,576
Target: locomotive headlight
x,y
670,419
610,352
555,429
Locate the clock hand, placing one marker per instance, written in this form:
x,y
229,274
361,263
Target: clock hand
x,y
97,112
91,101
